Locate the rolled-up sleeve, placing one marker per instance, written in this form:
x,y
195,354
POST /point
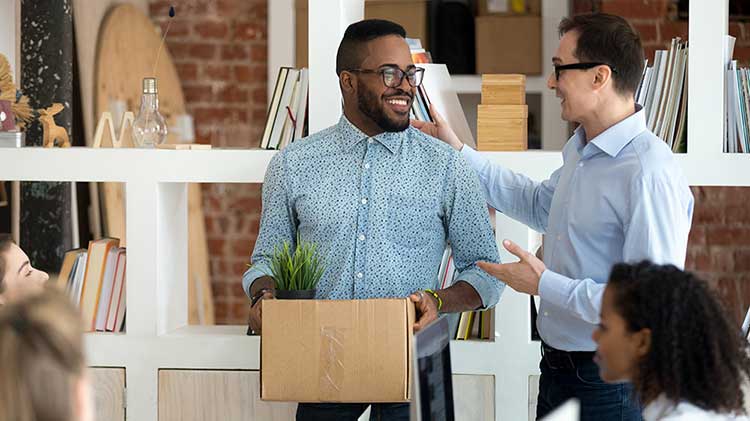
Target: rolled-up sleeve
x,y
277,223
470,232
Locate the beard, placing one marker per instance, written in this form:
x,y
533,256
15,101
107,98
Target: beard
x,y
372,106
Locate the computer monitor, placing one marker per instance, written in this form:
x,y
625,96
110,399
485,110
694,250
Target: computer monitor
x,y
432,381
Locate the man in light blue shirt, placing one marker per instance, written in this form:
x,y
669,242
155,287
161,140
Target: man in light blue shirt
x,y
380,199
619,196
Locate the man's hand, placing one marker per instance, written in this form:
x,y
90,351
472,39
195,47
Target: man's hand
x,y
427,310
256,312
439,129
265,284
522,276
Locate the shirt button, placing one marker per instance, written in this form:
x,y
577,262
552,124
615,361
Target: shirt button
x,y
546,314
559,237
361,237
367,166
359,275
580,164
364,201
370,141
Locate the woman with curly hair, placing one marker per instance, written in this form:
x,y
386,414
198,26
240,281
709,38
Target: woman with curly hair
x,y
663,330
42,366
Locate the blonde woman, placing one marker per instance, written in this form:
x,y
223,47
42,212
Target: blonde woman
x,y
17,275
42,367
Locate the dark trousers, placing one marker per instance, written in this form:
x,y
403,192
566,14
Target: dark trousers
x,y
568,375
352,411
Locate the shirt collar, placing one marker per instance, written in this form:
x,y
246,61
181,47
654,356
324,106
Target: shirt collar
x,y
351,135
658,408
615,138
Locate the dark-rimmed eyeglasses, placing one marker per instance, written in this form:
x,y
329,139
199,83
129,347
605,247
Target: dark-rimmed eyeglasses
x,y
578,66
393,76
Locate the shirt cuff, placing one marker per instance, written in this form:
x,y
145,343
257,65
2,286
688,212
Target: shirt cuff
x,y
253,273
488,288
554,288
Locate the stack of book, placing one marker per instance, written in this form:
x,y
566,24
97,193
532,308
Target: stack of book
x,y
502,116
737,136
471,324
94,278
287,111
663,94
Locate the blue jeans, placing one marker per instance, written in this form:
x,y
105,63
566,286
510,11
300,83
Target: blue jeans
x,y
580,379
352,411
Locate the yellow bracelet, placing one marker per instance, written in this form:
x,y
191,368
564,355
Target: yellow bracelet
x,y
437,297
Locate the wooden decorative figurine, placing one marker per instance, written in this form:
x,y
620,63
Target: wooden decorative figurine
x,y
54,135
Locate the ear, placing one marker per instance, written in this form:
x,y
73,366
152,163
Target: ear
x,y
642,342
347,83
602,77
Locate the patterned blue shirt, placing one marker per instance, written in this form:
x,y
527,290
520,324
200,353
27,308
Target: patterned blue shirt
x,y
621,197
380,210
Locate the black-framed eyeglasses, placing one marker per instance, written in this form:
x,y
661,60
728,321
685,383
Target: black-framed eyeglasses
x,y
393,76
578,66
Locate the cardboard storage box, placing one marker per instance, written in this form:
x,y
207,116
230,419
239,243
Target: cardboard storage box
x,y
411,14
509,44
502,127
337,350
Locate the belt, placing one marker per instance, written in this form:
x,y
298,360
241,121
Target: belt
x,y
558,359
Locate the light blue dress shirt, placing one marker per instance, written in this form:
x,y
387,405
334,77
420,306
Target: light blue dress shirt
x,y
620,198
380,210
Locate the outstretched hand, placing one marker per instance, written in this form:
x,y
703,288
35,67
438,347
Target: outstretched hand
x,y
523,276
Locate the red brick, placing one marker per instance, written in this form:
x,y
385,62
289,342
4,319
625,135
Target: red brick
x,y
698,260
722,260
736,29
742,55
672,29
187,71
742,260
635,9
260,94
647,31
198,93
233,94
246,204
211,29
259,53
260,115
249,31
239,268
240,248
159,8
216,246
240,310
234,52
207,115
178,29
219,72
705,213
220,289
179,50
202,51
728,236
739,215
697,236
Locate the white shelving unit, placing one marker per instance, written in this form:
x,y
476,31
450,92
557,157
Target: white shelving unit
x,y
158,335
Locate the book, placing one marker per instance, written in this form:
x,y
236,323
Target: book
x,y
106,291
93,278
273,107
76,282
437,84
117,303
68,268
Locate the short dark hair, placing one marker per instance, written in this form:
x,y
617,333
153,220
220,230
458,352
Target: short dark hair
x,y
5,241
612,40
693,340
350,54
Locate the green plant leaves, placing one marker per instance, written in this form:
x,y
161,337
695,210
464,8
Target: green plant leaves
x,y
300,269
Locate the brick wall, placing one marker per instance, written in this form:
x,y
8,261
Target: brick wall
x,y
220,50
719,246
219,47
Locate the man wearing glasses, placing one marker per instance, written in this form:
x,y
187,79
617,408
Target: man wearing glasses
x,y
619,196
380,199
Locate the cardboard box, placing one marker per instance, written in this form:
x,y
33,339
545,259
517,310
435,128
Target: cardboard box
x,y
503,89
502,128
411,14
509,44
337,350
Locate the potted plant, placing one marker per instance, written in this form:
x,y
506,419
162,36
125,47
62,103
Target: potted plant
x,y
295,273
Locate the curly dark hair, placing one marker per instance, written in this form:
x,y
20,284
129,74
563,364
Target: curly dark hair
x,y
697,352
